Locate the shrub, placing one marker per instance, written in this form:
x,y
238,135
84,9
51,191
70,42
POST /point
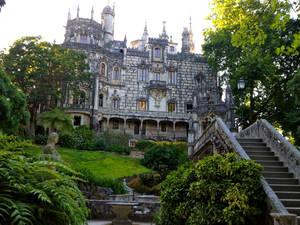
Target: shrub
x,y
41,139
144,145
12,143
119,148
67,140
218,190
83,137
164,156
32,192
100,144
116,185
115,138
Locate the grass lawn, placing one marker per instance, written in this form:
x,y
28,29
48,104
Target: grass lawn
x,y
101,164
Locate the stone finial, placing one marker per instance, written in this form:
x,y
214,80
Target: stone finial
x,y
92,13
78,11
164,33
69,15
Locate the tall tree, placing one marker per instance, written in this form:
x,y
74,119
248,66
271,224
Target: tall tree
x,y
246,43
12,105
45,73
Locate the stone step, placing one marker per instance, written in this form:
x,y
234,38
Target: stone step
x,y
282,180
288,194
269,163
278,175
256,153
253,144
255,149
293,210
290,202
243,140
275,169
285,187
264,158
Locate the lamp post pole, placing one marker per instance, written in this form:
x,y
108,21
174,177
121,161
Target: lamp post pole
x,y
241,86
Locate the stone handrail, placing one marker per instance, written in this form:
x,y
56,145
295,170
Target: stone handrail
x,y
278,212
283,148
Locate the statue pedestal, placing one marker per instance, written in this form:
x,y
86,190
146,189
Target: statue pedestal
x,y
122,210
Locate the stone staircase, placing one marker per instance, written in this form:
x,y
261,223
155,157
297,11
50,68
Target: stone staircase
x,y
283,183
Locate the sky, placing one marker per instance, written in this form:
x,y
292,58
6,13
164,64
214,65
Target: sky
x,y
47,18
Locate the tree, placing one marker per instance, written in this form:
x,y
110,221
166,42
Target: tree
x,y
56,120
2,3
12,105
31,192
46,73
217,190
245,43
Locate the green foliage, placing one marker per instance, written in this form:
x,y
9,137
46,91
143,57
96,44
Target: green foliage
x,y
164,156
115,138
116,185
100,144
83,137
218,190
41,139
45,72
67,140
12,104
32,192
12,143
144,145
244,44
56,120
119,148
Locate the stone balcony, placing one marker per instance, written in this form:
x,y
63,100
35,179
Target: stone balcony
x,y
158,84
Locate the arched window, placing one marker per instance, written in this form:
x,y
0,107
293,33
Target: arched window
x,y
142,75
101,100
156,76
171,77
171,107
116,103
157,52
103,69
142,105
116,75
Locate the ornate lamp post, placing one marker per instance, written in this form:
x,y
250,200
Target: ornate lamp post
x,y
241,86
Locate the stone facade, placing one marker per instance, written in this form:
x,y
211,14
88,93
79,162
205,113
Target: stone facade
x,y
148,89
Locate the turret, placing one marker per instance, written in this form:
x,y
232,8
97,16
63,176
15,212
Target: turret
x,y
185,41
108,16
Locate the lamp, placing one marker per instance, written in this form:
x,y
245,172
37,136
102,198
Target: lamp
x,y
241,84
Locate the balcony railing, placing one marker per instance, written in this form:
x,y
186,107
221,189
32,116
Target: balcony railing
x,y
158,84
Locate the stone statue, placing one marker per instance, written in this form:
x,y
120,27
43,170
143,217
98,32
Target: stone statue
x,y
50,147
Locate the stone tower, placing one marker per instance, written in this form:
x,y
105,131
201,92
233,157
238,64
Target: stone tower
x,y
108,17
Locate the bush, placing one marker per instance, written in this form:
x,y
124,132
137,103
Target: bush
x,y
115,138
119,149
144,145
67,141
164,156
146,183
116,185
100,144
218,190
41,139
83,137
12,143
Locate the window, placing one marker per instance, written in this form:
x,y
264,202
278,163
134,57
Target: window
x,y
172,49
79,99
101,100
163,127
171,106
115,103
116,73
102,69
115,124
142,75
189,108
142,105
156,76
157,52
172,78
77,120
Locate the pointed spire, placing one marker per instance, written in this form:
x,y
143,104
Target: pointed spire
x,y
164,33
125,39
191,42
190,23
145,29
92,13
114,5
69,15
78,11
